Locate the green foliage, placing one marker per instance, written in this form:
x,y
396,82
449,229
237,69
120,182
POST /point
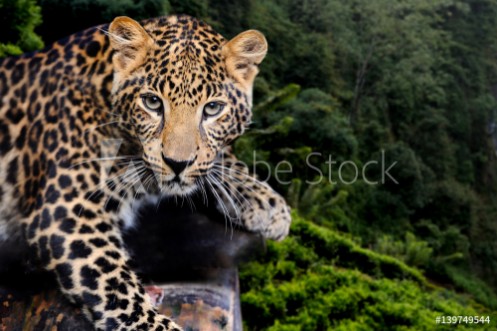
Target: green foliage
x,y
195,8
301,284
9,49
274,100
346,253
18,19
412,251
319,124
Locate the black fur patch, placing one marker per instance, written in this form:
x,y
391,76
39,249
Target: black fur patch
x,y
46,219
103,227
79,250
105,265
64,181
52,195
12,169
91,299
89,277
98,242
60,213
64,272
68,225
92,49
56,244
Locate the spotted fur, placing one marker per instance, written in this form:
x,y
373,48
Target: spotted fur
x,y
80,148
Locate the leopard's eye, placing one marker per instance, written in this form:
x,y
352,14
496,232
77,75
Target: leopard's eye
x,y
152,102
213,108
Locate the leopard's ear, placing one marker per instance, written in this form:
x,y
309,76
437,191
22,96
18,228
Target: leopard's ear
x,y
243,55
130,42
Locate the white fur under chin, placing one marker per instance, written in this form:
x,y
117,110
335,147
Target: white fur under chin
x,y
130,211
3,232
176,189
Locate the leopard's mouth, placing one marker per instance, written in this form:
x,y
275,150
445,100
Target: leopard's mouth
x,y
177,186
170,184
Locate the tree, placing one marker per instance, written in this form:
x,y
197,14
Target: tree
x,y
18,19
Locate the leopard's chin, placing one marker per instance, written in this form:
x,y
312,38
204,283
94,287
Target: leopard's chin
x,y
177,188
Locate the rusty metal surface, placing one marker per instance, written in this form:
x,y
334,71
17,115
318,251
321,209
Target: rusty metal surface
x,y
210,305
44,311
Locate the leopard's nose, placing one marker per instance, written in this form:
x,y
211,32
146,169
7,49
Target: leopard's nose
x,y
177,166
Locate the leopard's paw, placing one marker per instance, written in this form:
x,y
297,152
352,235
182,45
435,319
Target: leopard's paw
x,y
271,219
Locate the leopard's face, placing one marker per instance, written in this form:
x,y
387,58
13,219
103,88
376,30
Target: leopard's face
x,y
184,92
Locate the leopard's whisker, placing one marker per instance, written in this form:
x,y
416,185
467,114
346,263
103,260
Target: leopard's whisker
x,y
113,35
107,158
227,170
235,192
157,205
249,179
106,182
231,189
220,201
246,187
126,185
200,183
123,181
191,203
237,216
148,181
131,176
219,176
215,181
119,174
139,178
233,179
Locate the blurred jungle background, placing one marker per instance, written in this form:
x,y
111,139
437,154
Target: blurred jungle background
x,y
412,82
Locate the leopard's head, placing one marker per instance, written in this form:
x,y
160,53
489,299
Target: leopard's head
x,y
183,91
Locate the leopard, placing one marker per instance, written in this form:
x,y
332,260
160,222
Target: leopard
x,y
109,118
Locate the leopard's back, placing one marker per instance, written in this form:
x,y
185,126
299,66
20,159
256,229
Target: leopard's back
x,y
39,124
